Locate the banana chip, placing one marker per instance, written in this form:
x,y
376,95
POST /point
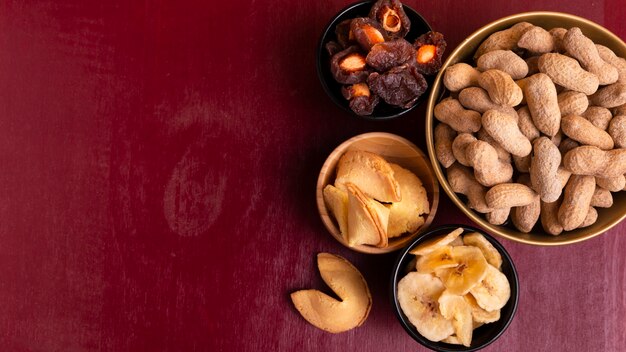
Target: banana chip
x,y
440,258
456,309
452,339
431,245
457,242
492,255
417,295
493,291
480,315
470,270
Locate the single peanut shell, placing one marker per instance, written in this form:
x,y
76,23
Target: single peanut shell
x,y
460,76
524,218
585,160
581,130
576,200
558,34
584,50
477,99
610,96
498,216
598,116
549,218
462,181
544,166
459,146
572,103
503,60
566,72
590,219
504,129
612,184
617,130
521,83
537,40
503,40
503,155
489,170
501,87
508,195
444,135
602,198
450,112
526,124
543,103
619,63
563,175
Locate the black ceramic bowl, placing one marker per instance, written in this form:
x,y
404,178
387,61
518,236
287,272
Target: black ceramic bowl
x,y
485,334
382,111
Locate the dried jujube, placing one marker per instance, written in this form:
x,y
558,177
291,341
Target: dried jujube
x,y
332,48
384,56
342,31
367,32
390,14
401,86
348,66
429,51
362,101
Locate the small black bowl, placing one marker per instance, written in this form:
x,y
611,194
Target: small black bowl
x,y
383,111
484,335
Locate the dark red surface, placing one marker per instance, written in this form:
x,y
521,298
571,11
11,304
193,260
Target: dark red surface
x,y
159,164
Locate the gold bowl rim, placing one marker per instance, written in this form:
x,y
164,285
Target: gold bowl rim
x,y
435,94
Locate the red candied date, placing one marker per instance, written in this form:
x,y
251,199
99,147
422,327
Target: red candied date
x,y
348,66
390,14
344,36
401,86
429,51
384,56
362,101
367,32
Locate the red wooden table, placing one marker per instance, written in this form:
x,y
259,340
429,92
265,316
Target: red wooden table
x,y
159,163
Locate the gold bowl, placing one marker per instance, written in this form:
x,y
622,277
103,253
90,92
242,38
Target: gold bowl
x,y
607,218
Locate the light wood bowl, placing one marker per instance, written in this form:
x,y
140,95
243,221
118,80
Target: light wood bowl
x,y
394,149
607,218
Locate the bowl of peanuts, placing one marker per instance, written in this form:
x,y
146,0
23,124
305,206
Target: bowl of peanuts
x,y
526,128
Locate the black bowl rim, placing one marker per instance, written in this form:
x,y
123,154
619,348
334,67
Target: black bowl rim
x,y
411,330
320,70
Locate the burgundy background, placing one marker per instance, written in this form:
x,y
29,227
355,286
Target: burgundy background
x,y
159,161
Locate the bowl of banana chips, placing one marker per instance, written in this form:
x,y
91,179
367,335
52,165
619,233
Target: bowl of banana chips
x,y
455,288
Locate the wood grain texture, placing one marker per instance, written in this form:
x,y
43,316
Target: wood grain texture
x,y
159,165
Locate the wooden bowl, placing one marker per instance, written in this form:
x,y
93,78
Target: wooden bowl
x,y
394,149
607,218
